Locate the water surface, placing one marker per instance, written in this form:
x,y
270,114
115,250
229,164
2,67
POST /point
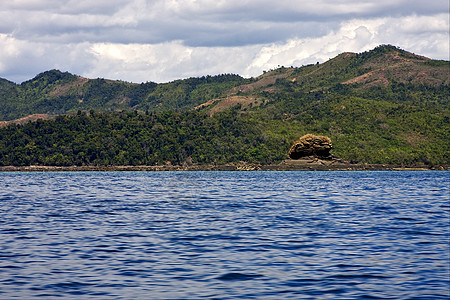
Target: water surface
x,y
224,235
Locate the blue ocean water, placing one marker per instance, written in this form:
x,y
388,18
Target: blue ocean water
x,y
224,235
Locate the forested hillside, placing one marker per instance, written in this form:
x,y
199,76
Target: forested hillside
x,y
384,106
54,92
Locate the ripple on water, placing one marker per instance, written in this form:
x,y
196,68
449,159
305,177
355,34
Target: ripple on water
x,y
225,235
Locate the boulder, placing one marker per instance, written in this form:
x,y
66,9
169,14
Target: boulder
x,y
311,145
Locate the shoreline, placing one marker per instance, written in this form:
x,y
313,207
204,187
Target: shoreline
x,y
287,165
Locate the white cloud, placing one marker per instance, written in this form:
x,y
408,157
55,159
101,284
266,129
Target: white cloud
x,y
358,36
166,61
172,60
21,60
194,22
162,40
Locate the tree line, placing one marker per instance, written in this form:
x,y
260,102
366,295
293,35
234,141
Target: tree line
x,y
132,138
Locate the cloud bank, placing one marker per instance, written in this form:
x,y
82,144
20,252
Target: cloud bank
x,y
160,40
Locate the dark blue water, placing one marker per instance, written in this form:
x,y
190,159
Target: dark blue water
x,y
224,235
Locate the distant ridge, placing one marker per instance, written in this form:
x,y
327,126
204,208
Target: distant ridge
x,y
381,107
55,92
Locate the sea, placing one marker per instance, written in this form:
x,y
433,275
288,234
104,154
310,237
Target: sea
x,y
225,235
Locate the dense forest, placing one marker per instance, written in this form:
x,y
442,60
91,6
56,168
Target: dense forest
x,y
129,138
385,106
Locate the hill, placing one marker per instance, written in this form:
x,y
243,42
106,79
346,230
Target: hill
x,y
55,92
381,106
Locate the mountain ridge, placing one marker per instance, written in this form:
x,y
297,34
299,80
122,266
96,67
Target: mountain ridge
x,y
384,106
54,92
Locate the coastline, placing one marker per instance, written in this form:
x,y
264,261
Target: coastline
x,y
287,165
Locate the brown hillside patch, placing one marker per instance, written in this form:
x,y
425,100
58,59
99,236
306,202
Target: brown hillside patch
x,y
394,67
232,101
414,138
124,100
264,81
394,59
30,118
348,54
377,77
208,103
62,90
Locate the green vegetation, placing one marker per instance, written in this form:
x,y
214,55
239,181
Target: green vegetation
x,y
385,106
364,130
54,92
130,138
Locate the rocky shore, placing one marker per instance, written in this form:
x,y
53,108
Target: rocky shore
x,y
304,164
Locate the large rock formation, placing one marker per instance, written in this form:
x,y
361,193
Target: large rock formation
x,y
311,145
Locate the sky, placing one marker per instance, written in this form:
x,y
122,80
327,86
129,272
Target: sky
x,y
164,40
